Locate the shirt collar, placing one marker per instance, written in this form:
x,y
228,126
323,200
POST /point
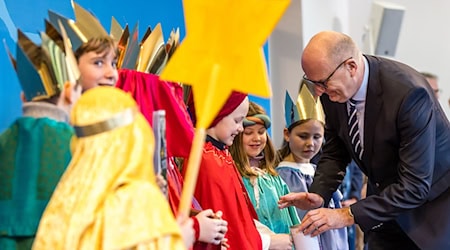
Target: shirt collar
x,y
360,95
216,143
44,109
304,168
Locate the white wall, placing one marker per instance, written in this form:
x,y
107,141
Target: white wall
x,y
285,47
424,42
301,21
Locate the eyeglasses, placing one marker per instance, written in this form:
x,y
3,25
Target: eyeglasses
x,y
323,84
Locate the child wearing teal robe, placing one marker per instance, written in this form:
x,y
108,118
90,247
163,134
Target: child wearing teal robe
x,y
254,155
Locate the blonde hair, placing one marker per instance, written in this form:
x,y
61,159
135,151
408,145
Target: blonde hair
x,y
240,157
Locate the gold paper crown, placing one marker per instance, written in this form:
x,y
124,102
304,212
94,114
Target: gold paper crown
x,y
307,106
42,70
85,26
150,54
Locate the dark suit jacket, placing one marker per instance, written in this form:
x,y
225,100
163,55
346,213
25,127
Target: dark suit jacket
x,y
406,155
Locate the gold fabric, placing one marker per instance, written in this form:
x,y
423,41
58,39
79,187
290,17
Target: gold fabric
x,y
108,197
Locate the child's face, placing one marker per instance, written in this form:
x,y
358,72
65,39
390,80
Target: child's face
x,y
98,69
254,139
231,125
305,140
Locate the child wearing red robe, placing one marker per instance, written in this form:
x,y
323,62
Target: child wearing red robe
x,y
219,185
153,94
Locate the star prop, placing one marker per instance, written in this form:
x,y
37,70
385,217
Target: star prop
x,y
222,52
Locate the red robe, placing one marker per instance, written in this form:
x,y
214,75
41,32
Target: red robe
x,y
220,187
152,94
175,185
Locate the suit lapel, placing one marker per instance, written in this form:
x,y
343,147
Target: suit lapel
x,y
372,108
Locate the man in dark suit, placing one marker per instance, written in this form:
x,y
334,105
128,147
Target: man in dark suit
x,y
400,139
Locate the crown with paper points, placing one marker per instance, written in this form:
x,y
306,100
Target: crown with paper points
x,y
150,53
54,34
55,19
116,30
306,106
84,27
42,70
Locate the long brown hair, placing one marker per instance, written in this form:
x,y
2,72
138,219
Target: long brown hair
x,y
240,156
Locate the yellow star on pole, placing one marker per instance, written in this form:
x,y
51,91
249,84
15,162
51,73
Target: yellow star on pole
x,y
222,52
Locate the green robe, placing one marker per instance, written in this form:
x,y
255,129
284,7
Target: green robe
x,y
270,189
34,152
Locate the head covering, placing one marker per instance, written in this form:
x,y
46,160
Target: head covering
x,y
108,198
42,69
85,27
233,101
306,107
262,119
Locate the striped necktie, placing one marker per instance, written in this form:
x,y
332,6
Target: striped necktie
x,y
354,130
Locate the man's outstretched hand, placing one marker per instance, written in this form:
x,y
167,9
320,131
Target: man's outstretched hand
x,y
302,200
316,221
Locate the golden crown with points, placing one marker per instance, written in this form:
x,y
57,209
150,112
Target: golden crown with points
x,y
79,31
147,55
306,106
150,54
42,70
